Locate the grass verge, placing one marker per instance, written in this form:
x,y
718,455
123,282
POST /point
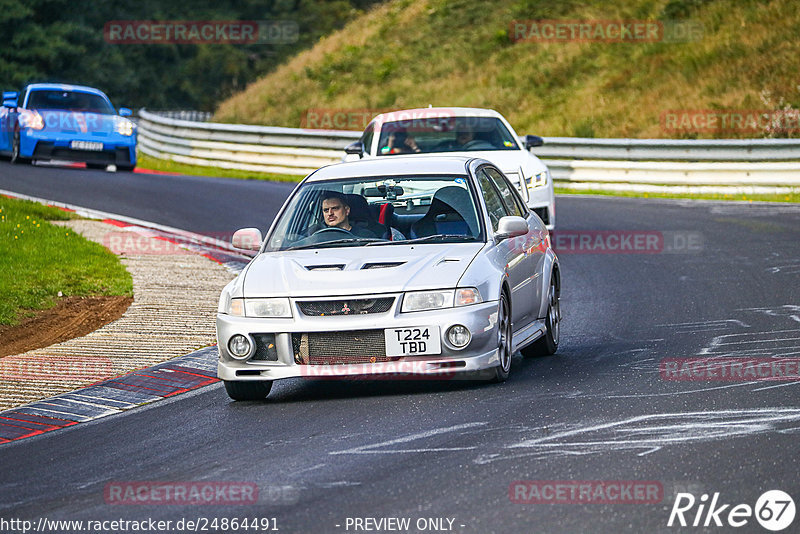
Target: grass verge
x,y
40,259
148,162
792,197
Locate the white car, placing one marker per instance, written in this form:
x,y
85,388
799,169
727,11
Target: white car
x,y
470,132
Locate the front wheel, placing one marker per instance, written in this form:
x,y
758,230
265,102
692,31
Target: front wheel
x,y
15,150
503,368
548,343
247,391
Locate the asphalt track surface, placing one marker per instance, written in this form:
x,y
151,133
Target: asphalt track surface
x,y
324,451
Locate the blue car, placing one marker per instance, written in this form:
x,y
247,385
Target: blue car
x,y
49,121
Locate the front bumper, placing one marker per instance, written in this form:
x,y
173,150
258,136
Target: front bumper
x,y
43,145
476,360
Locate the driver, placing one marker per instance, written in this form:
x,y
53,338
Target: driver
x,y
336,214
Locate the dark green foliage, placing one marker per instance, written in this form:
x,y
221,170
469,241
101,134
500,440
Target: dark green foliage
x,y
62,41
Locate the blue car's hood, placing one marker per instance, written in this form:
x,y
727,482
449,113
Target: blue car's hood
x,y
394,268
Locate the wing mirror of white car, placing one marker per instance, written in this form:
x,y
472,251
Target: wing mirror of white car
x,y
356,147
511,226
247,239
532,141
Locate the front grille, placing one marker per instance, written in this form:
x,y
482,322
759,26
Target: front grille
x,y
82,155
339,348
319,308
543,214
265,348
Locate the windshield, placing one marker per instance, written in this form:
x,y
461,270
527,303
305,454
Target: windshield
x,y
446,134
378,211
69,101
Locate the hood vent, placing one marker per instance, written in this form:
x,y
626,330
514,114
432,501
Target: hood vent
x,y
383,265
334,267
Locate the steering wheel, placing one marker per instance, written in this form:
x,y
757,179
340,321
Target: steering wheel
x,y
332,229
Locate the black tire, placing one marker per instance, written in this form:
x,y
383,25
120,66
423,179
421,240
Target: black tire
x,y
248,391
502,371
548,343
15,149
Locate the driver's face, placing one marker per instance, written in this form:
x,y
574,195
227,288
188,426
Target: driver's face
x,y
335,213
464,137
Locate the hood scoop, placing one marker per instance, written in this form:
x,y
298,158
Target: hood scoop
x,y
332,267
383,265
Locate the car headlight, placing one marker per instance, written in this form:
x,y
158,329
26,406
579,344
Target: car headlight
x,y
434,300
124,127
31,119
260,307
538,180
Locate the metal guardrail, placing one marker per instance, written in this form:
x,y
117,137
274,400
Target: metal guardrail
x,y
772,162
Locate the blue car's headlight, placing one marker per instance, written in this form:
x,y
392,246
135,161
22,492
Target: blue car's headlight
x,y
124,126
31,119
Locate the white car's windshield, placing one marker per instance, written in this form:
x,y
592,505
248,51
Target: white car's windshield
x,y
445,134
374,211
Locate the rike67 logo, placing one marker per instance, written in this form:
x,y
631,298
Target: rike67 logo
x,y
774,510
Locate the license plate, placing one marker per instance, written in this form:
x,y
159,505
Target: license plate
x,y
86,145
413,341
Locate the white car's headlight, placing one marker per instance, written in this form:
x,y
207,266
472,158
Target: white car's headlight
x,y
434,300
124,127
538,180
261,307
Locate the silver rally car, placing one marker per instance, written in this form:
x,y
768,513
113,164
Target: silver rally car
x,y
423,267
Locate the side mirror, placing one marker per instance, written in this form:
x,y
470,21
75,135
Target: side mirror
x,y
511,226
125,112
10,104
532,141
247,239
356,147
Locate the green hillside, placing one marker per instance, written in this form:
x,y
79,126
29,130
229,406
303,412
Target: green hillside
x,y
412,53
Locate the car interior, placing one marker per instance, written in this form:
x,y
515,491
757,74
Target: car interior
x,y
449,211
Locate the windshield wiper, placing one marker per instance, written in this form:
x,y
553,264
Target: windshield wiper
x,y
325,244
437,237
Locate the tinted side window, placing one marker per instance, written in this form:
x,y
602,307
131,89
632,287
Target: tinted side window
x,y
494,204
509,198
